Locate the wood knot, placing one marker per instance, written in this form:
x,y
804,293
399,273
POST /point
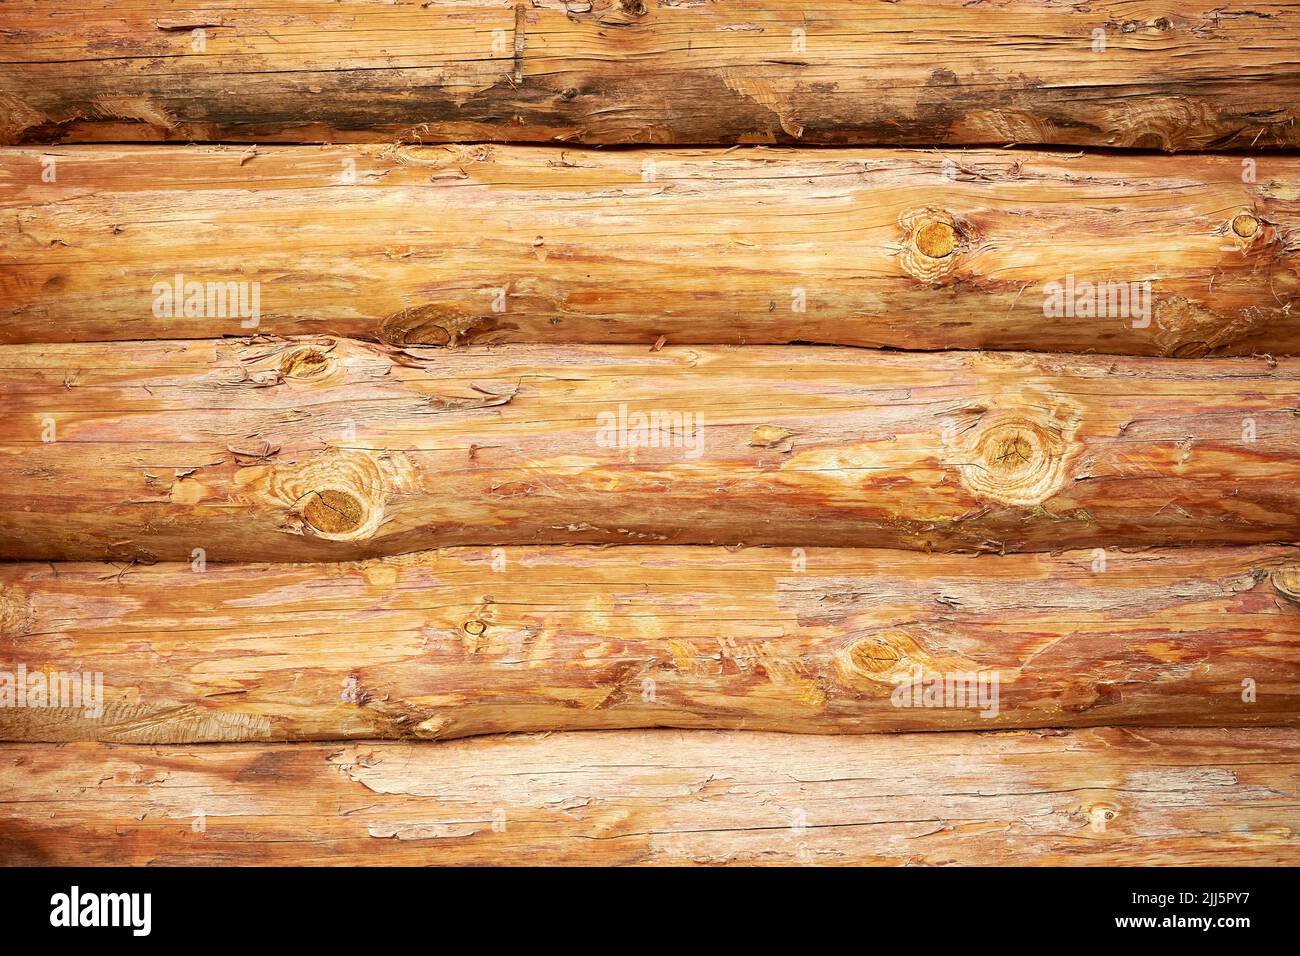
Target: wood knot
x,y
334,513
931,242
1100,815
877,658
434,325
621,13
1286,582
305,364
475,627
1016,460
1245,225
769,436
936,240
338,494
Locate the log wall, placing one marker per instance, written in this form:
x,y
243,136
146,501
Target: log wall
x,y
356,397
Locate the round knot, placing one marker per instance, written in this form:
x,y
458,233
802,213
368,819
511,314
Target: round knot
x,y
1245,226
936,240
1016,461
1286,581
337,494
1100,814
931,242
334,512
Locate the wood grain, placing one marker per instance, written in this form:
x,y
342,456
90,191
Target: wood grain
x,y
521,355
491,244
1097,797
461,642
275,450
1190,74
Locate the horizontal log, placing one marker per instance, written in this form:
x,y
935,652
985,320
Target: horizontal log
x,y
274,450
463,642
442,246
1185,75
1097,796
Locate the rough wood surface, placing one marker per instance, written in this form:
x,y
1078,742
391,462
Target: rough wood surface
x,y
275,450
1100,796
463,642
906,249
1191,74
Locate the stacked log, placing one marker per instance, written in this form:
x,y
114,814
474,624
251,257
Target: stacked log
x,y
492,244
333,450
1105,796
1192,75
475,641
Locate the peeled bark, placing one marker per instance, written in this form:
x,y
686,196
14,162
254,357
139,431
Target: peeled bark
x,y
463,642
1188,75
443,246
1098,796
331,450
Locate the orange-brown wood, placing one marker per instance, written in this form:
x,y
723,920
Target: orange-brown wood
x,y
522,354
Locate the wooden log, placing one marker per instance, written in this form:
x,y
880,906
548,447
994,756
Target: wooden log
x,y
273,450
440,246
1096,796
463,642
1187,75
